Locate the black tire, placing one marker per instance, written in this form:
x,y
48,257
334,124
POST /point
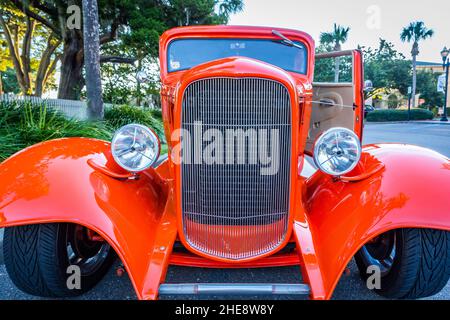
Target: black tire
x,y
36,259
420,267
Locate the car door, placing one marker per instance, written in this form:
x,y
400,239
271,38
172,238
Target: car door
x,y
337,103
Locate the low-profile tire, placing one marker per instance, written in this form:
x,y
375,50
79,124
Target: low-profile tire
x,y
37,258
415,263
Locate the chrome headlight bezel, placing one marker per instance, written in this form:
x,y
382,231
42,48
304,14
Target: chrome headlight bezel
x,y
146,133
338,133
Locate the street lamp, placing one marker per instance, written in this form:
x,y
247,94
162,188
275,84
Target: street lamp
x,y
445,64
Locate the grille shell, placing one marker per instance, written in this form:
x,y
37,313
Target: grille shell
x,y
232,211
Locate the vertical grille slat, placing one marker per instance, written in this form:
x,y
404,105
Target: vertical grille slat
x,y
232,210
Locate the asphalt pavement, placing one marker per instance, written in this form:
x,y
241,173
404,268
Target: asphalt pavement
x,y
350,287
434,136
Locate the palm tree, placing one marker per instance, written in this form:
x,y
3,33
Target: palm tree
x,y
415,32
337,37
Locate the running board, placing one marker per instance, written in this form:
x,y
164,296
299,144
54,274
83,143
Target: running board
x,y
234,289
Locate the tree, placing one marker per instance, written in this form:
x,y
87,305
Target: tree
x,y
415,32
386,68
324,69
9,81
337,37
5,63
427,86
92,59
393,101
143,42
200,12
122,22
120,85
33,66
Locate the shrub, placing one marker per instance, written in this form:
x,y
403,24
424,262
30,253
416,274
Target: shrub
x,y
393,101
157,114
435,111
399,115
119,116
23,124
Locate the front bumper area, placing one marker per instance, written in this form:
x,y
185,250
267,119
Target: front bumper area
x,y
234,289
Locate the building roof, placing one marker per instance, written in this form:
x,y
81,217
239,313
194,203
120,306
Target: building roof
x,y
429,64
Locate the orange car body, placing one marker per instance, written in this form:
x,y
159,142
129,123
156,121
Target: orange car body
x,y
69,180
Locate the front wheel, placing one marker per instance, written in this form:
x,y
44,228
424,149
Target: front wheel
x,y
413,263
40,259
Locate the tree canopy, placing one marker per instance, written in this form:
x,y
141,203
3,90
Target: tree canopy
x,y
415,32
334,39
29,48
129,29
427,88
337,37
387,68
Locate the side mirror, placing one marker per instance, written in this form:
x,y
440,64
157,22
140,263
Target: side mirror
x,y
142,77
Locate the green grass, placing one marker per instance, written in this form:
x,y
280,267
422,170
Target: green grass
x,y
23,124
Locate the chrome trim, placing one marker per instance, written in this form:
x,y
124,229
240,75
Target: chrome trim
x,y
222,204
234,289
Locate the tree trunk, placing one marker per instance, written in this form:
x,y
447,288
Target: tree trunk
x,y
12,39
46,66
26,52
71,81
138,87
337,64
415,52
92,59
22,61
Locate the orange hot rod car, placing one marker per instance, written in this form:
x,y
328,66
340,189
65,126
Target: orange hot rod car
x,y
242,116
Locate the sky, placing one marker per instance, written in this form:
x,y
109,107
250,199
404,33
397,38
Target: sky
x,y
368,19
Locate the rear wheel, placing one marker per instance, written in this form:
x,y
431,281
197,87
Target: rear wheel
x,y
414,263
38,257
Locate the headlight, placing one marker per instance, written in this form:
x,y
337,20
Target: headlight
x,y
337,151
135,147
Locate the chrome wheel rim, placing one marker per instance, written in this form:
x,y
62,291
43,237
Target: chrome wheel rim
x,y
381,252
83,252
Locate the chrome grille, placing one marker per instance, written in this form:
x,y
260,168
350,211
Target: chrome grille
x,y
231,210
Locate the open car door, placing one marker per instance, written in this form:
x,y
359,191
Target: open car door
x,y
338,99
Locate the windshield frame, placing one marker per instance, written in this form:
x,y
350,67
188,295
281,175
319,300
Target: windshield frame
x,y
271,39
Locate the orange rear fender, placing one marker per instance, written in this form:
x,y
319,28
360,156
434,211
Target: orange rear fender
x,y
52,182
411,191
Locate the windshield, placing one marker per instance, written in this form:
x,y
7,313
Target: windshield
x,y
185,54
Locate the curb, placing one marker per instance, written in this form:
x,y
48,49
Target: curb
x,y
410,122
1,246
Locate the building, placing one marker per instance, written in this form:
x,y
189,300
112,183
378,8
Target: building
x,y
430,66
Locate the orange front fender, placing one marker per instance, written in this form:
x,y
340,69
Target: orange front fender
x,y
411,191
52,182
